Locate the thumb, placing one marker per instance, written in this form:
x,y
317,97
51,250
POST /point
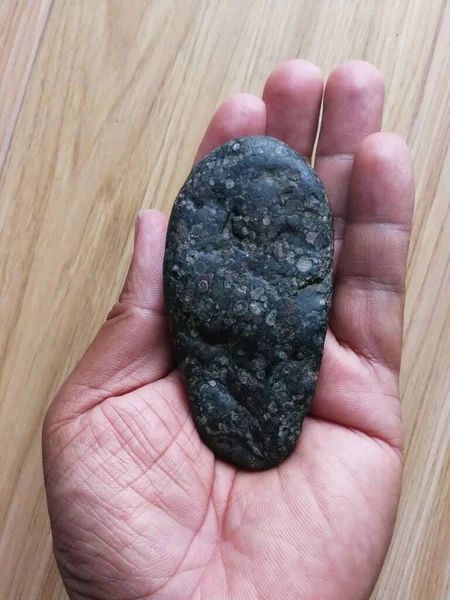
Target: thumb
x,y
133,347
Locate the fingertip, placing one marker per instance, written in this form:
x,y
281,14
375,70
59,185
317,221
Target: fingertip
x,y
241,110
150,217
151,227
381,152
290,77
384,163
243,102
238,116
356,78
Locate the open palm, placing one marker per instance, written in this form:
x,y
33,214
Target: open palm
x,y
139,507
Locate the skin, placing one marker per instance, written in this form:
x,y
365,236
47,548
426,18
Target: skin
x,y
139,507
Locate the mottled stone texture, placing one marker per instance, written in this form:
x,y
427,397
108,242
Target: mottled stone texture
x,y
247,280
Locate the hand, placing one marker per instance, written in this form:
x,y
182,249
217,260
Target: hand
x,y
139,507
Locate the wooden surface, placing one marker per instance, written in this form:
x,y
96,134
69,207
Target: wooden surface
x,y
102,105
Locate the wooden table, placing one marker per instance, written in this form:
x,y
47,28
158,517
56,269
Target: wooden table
x,y
102,105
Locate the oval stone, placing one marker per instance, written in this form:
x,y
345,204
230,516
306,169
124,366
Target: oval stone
x,y
247,285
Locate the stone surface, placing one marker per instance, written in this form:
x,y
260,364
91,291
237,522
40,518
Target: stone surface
x,y
247,283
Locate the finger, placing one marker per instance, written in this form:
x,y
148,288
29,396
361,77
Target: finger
x,y
132,348
353,109
293,95
240,115
367,311
346,394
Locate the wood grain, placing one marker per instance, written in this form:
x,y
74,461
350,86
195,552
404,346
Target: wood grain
x,y
118,99
22,24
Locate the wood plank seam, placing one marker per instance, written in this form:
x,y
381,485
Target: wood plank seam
x,y
6,142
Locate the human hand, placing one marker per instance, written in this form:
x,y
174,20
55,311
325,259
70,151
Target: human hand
x,y
139,506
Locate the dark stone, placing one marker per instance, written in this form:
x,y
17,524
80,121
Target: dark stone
x,y
247,278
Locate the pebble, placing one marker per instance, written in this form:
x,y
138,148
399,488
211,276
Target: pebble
x,y
254,216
